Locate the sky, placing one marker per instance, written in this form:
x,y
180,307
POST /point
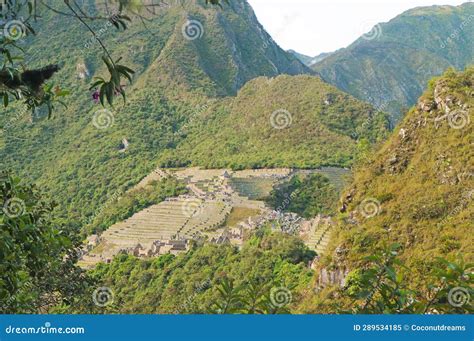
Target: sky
x,y
314,26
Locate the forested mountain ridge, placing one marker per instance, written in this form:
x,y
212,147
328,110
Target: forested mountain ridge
x,y
390,65
417,191
185,43
286,121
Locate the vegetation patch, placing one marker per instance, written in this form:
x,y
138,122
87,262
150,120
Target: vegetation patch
x,y
307,195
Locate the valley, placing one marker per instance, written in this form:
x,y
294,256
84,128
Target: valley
x,y
180,158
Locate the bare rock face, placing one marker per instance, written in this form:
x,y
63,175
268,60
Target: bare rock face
x,y
347,200
444,101
426,105
332,277
439,96
340,253
82,71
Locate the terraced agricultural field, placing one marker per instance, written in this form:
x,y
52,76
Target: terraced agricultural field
x,y
156,175
195,174
184,218
239,214
264,172
220,198
209,186
253,188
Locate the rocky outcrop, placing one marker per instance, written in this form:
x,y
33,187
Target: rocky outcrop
x,y
419,185
332,277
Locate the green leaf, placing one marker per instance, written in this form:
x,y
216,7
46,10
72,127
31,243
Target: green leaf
x,y
110,93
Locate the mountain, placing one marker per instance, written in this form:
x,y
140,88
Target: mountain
x,y
417,190
212,89
390,65
286,121
307,60
86,154
189,43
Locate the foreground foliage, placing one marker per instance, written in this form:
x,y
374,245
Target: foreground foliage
x,y
380,288
199,281
37,258
416,191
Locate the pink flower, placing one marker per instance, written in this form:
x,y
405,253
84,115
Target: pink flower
x,y
95,96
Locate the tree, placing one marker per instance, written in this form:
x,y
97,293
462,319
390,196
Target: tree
x,y
381,288
37,257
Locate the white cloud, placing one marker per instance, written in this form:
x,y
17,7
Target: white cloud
x,y
315,26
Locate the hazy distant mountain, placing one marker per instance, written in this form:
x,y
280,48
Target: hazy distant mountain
x,y
390,65
307,60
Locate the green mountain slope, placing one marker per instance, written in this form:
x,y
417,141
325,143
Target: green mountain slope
x,y
390,65
186,43
418,189
81,163
297,121
79,155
